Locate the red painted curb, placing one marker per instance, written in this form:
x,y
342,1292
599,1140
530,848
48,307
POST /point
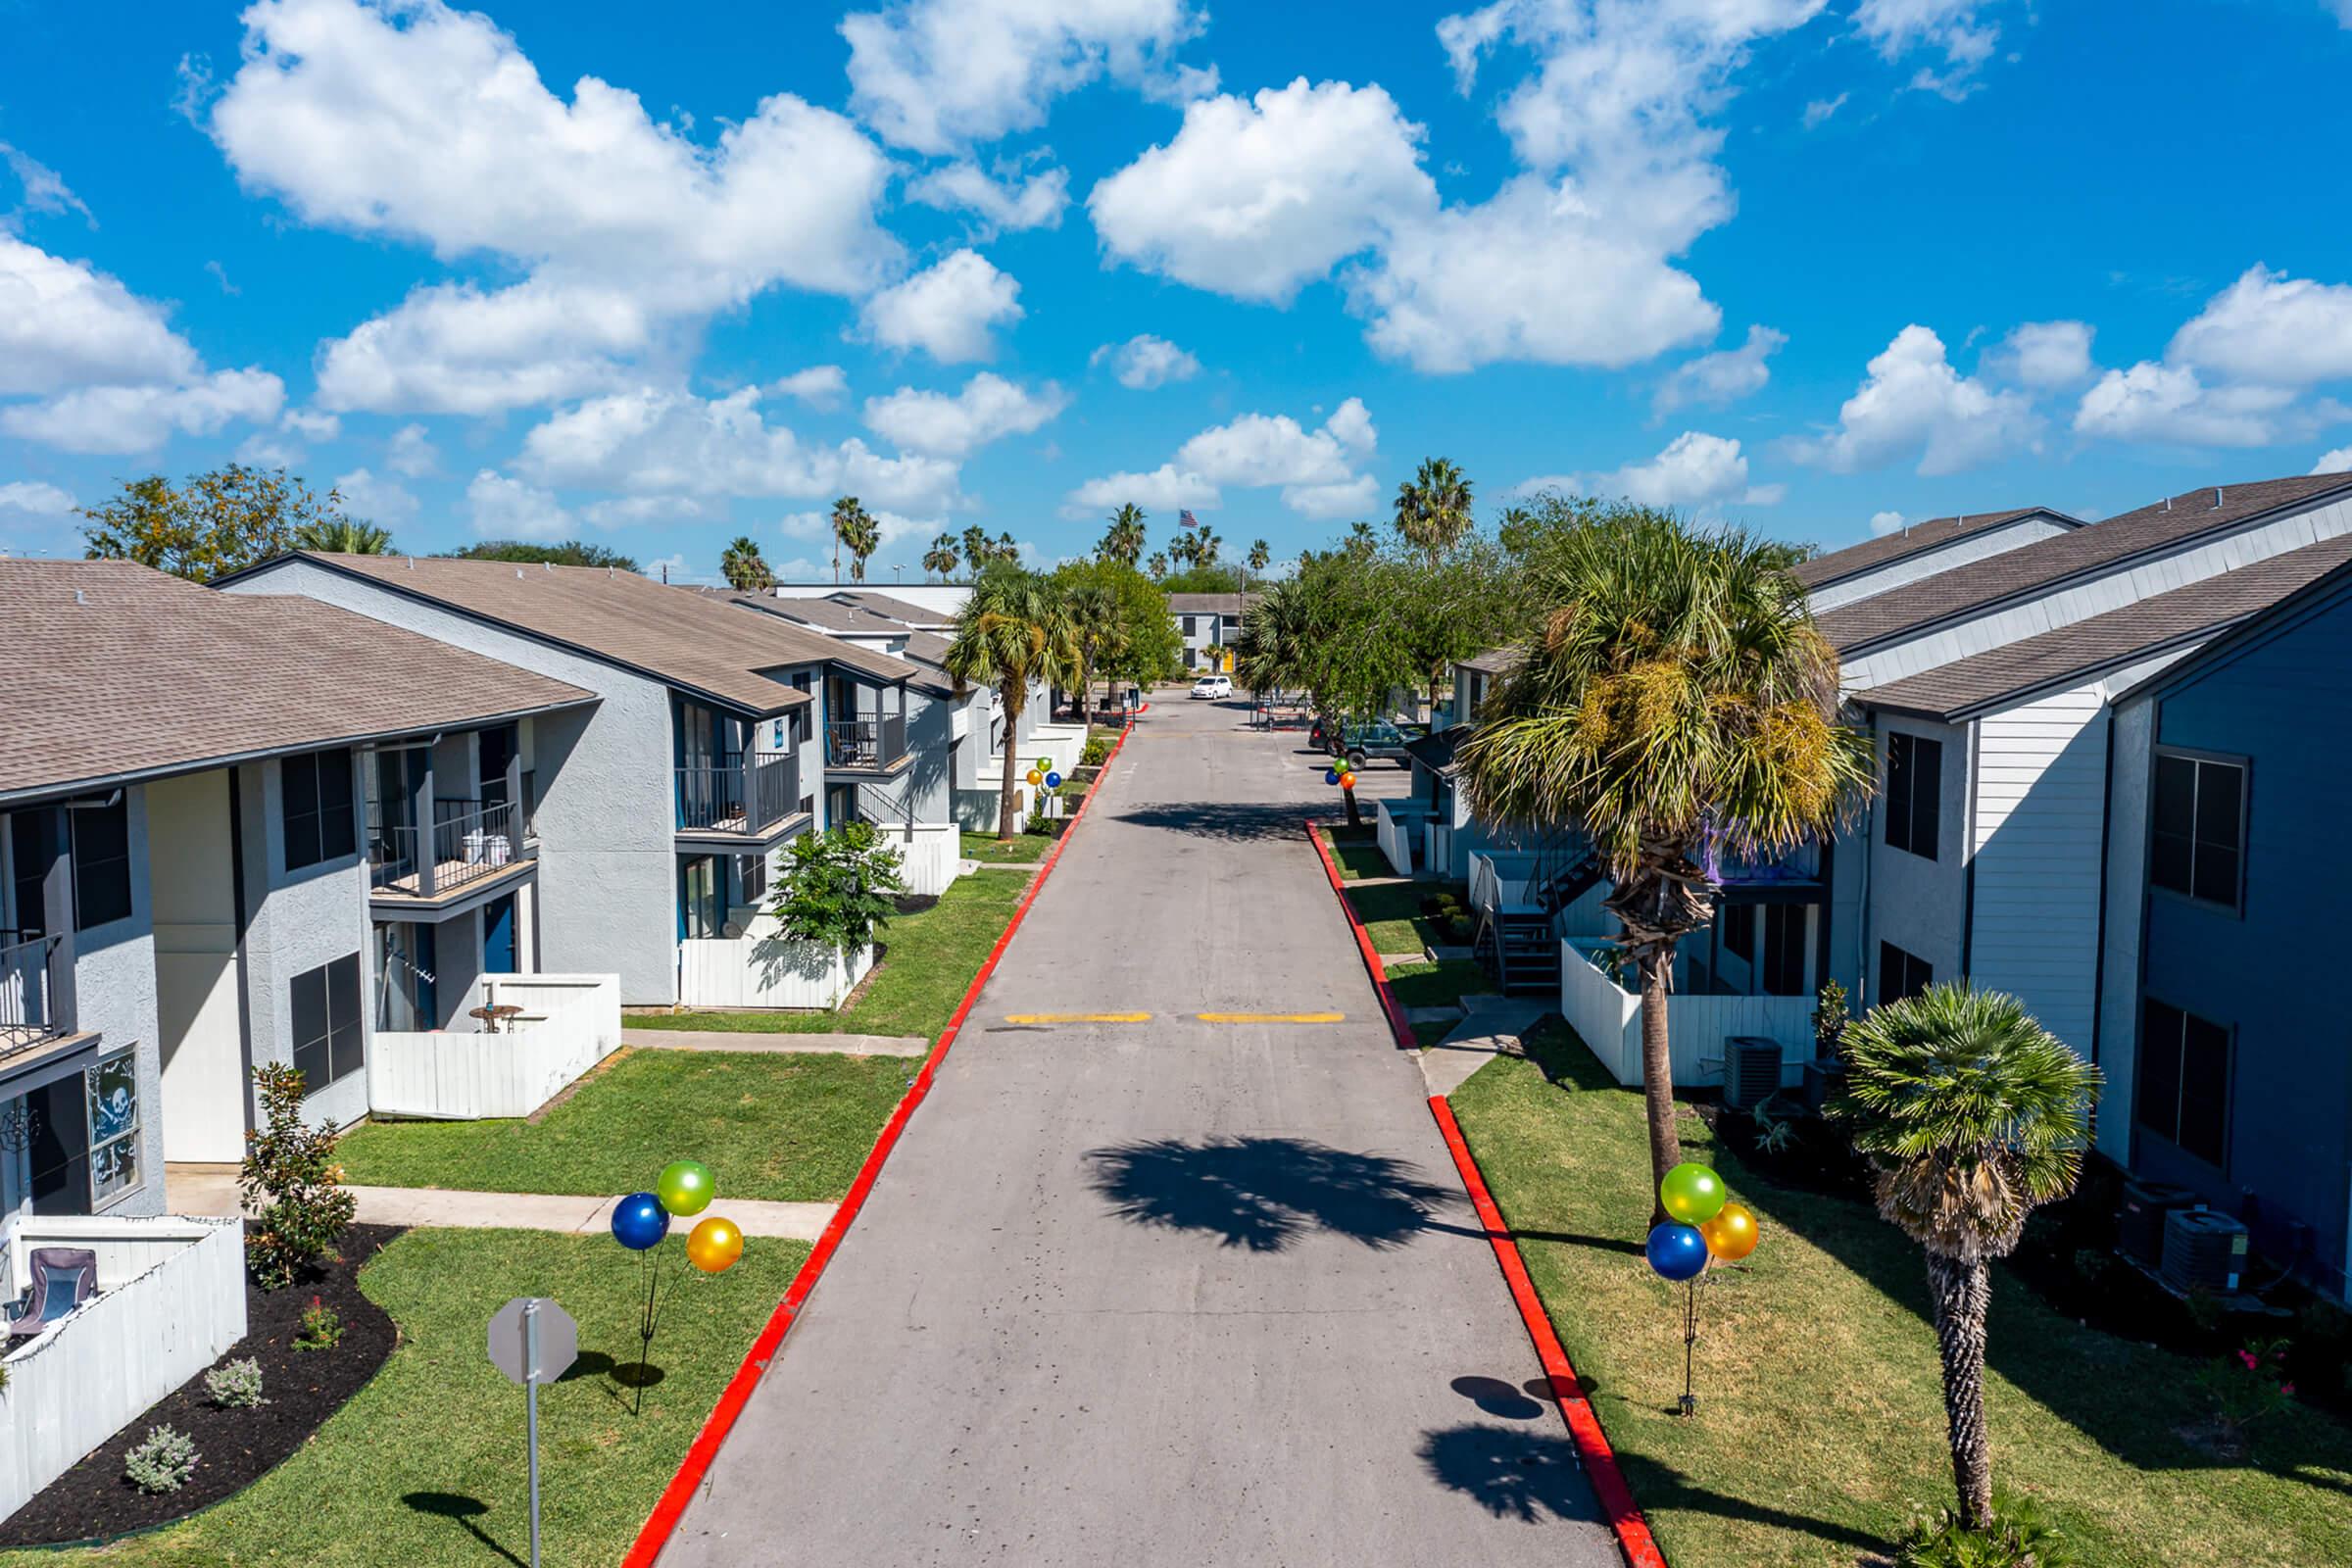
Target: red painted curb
x,y
1616,1499
671,1505
1379,971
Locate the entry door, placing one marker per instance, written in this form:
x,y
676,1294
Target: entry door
x,y
498,936
698,914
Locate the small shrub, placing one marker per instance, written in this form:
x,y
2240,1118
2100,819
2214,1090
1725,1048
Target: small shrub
x,y
1094,752
1830,1018
2020,1536
236,1386
322,1327
1038,823
2248,1383
163,1461
291,1168
2092,1264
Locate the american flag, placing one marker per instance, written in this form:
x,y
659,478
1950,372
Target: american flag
x,y
1188,520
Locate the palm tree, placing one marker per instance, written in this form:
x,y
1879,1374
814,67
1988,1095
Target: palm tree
x,y
1125,540
1260,555
343,536
1676,703
745,569
1098,628
1205,546
1158,565
1004,549
975,548
1971,1114
847,514
1013,630
941,558
1433,508
863,536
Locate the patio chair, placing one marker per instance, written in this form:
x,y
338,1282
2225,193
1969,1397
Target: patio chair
x,y
63,1278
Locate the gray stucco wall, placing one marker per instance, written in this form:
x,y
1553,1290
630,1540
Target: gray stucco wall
x,y
607,811
114,993
1917,904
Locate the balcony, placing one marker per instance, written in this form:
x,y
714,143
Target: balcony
x,y
472,842
740,799
872,745
28,993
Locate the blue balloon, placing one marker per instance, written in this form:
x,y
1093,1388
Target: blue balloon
x,y
1331,775
638,1221
1053,781
1676,1251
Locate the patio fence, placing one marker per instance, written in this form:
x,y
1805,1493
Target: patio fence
x,y
759,970
569,1023
1608,1019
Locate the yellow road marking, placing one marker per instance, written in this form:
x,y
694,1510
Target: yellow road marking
x,y
1270,1017
1077,1017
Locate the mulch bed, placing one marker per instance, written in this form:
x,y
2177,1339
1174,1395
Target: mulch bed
x,y
234,1448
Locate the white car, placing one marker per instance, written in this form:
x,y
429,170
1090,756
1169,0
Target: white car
x,y
1212,686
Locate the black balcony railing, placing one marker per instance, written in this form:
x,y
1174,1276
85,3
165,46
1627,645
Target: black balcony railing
x,y
875,742
470,840
29,990
732,798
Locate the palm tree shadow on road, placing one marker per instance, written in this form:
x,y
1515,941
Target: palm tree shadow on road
x,y
1262,1194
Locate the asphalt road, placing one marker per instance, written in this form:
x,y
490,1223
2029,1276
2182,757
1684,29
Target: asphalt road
x,y
1169,1291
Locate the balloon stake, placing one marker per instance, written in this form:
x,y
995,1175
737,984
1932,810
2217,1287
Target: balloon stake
x,y
648,1264
1689,1401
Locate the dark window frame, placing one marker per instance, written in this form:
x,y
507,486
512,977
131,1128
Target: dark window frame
x,y
2153,1049
97,902
1784,948
1906,778
1898,969
324,1012
319,820
1740,931
2196,845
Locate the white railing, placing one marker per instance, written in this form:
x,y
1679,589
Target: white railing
x,y
759,970
569,1023
1498,880
1607,1017
1395,824
171,1299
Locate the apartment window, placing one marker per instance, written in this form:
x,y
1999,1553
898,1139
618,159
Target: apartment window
x,y
1783,950
101,862
704,918
1914,792
1739,930
328,1043
1902,974
2200,826
751,873
112,1094
1191,629
2183,1090
318,808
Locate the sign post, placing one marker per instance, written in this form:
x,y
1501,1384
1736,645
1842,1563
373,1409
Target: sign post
x,y
533,1341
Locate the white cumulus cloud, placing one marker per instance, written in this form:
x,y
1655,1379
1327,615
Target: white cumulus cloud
x,y
947,310
1004,201
1716,381
1144,362
1696,470
411,452
1913,401
2339,461
2152,402
501,508
124,419
1950,28
375,498
1883,524
42,499
1315,470
988,409
2048,354
2270,328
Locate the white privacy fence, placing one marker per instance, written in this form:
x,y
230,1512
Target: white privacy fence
x,y
569,1023
760,969
171,1299
1608,1019
1398,825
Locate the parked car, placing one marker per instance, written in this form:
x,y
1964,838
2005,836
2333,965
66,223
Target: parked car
x,y
1212,686
1361,739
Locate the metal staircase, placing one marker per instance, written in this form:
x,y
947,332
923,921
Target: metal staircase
x,y
1519,943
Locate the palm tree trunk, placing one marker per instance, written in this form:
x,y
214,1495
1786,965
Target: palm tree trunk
x,y
1355,819
1657,1071
1007,824
1962,1295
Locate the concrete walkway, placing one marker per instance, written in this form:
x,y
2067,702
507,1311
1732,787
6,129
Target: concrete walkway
x,y
208,1191
1140,1288
1491,1028
746,1041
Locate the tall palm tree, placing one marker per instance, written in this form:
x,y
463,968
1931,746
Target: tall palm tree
x,y
1433,508
1013,630
1676,703
744,568
847,515
1205,546
863,535
1125,540
1096,627
941,558
343,536
1158,565
1971,1114
1260,555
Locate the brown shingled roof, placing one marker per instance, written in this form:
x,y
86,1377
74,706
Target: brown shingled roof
x,y
147,675
2119,636
1212,604
890,607
1496,661
1838,564
689,638
851,621
2076,552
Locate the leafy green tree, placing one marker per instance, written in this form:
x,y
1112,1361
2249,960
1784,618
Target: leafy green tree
x,y
744,568
214,524
1124,541
1097,630
1674,698
571,553
344,536
290,1182
1971,1114
941,558
1208,579
1013,630
835,890
1433,508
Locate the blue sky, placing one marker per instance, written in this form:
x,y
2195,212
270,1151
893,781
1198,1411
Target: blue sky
x,y
655,276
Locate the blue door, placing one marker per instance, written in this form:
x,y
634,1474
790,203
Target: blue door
x,y
498,936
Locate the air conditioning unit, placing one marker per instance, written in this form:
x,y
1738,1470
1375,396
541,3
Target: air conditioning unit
x,y
2140,1225
2203,1251
1751,1071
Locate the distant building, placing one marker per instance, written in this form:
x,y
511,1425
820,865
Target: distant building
x,y
1209,625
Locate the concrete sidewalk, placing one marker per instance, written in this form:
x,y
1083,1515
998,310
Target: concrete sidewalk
x,y
192,1190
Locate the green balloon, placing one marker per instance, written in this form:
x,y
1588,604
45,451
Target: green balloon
x,y
1044,764
1691,1193
686,1186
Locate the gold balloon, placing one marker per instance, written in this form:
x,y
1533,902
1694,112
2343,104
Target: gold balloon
x,y
1035,779
1732,1234
714,1246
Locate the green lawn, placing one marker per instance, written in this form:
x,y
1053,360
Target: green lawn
x,y
1357,851
1820,1429
771,1125
928,967
425,1467
1437,985
1392,917
1023,850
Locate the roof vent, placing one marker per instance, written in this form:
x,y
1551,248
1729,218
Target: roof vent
x,y
518,574
549,565
79,599
2217,498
